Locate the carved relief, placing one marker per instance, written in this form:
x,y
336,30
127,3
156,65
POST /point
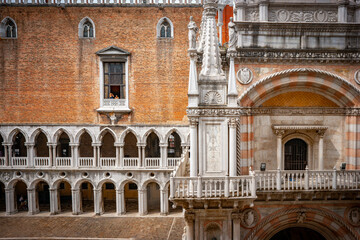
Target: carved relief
x,y
284,15
354,216
252,15
212,97
213,141
244,76
249,218
357,76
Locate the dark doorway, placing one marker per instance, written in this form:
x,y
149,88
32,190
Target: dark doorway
x,y
297,233
295,154
42,196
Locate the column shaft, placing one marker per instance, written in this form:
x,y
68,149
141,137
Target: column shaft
x,y
193,150
232,150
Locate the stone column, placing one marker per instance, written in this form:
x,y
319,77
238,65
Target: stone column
x,y
240,10
10,201
140,157
263,10
120,202
321,149
142,201
50,154
75,197
7,154
95,150
342,10
98,156
97,201
189,221
142,161
30,153
75,154
31,197
163,148
117,154
232,147
164,202
279,134
54,164
121,160
193,147
236,226
54,208
10,154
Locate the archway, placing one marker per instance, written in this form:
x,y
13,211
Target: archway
x,y
42,196
19,150
86,152
131,152
213,232
107,151
41,150
64,197
152,151
131,197
297,233
63,152
86,197
108,194
295,154
153,197
174,149
21,196
2,152
2,198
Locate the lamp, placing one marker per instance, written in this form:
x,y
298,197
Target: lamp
x,y
262,167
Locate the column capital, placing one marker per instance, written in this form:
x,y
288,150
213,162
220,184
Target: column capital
x,y
96,144
29,144
232,122
321,132
74,144
235,216
342,2
163,144
279,132
193,121
117,144
189,216
141,144
120,191
50,144
7,144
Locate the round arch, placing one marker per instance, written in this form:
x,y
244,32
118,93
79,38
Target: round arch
x,y
106,180
58,133
129,130
80,133
122,184
144,184
310,146
148,132
55,184
330,225
36,181
80,181
103,132
13,182
343,92
36,132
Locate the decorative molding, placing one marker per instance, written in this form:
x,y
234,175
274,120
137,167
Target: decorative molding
x,y
244,75
213,97
300,127
249,218
232,122
310,15
285,55
353,216
283,111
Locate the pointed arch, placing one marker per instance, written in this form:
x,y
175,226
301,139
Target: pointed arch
x,y
16,131
161,23
36,132
178,133
129,130
8,28
148,132
80,133
58,133
330,85
2,134
104,131
86,28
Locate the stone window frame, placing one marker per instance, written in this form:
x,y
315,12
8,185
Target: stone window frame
x,y
113,54
159,25
81,27
3,25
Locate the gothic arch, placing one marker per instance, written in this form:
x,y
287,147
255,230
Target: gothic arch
x,y
104,131
16,131
148,132
323,220
158,27
81,131
178,133
3,136
81,27
37,132
59,132
3,27
128,130
327,84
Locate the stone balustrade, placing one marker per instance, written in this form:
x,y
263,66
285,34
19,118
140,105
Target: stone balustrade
x,y
130,162
41,161
2,161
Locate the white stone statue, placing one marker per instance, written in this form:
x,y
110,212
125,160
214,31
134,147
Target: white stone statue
x,y
232,35
192,33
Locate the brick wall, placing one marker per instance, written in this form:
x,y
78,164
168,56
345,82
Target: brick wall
x,y
49,75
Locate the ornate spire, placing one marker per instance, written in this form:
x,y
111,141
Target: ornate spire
x,y
211,63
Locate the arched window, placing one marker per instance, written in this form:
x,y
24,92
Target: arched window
x,y
8,28
86,28
165,28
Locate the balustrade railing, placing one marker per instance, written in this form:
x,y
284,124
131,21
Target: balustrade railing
x,y
19,161
152,162
41,161
130,162
173,162
94,2
212,187
2,161
63,161
86,161
107,162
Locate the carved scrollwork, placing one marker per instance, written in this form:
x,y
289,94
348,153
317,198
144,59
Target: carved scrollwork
x,y
212,97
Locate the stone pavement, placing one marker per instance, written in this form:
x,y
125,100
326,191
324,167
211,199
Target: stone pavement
x,y
91,227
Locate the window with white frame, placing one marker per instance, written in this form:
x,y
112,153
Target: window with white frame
x,y
8,28
86,28
114,86
165,28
